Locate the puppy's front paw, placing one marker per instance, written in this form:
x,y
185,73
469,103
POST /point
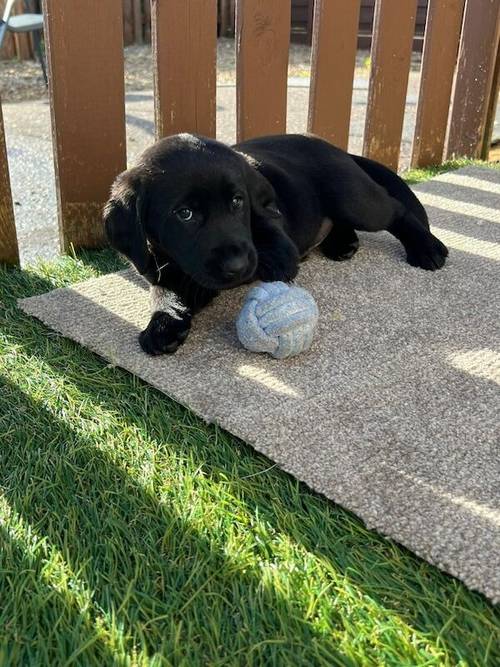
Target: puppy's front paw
x,y
278,265
429,254
165,333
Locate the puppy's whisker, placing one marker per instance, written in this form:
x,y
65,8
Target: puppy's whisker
x,y
160,268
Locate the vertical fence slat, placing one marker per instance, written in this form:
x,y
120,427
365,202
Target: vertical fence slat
x,y
262,41
442,37
85,57
9,252
8,50
335,37
393,30
184,34
476,62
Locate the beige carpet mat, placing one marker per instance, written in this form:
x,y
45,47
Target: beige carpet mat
x,y
393,413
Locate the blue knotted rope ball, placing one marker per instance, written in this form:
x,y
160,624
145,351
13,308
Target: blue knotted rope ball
x,y
277,318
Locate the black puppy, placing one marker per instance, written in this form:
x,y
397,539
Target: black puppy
x,y
195,216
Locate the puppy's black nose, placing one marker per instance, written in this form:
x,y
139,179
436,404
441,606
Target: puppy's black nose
x,y
234,267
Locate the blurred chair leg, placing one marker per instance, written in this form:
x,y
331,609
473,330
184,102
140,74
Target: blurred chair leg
x,y
3,30
37,42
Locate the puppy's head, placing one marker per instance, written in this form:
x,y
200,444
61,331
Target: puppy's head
x,y
193,200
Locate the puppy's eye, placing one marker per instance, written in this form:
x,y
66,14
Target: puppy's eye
x,y
184,214
237,201
273,209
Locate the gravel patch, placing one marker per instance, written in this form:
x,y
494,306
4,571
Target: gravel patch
x,y
22,79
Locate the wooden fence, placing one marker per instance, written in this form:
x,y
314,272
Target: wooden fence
x,y
86,87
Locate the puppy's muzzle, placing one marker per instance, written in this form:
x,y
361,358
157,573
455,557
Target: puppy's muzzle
x,y
233,264
235,267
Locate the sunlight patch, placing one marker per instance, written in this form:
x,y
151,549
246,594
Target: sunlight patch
x,y
479,509
463,208
483,364
470,182
267,380
486,249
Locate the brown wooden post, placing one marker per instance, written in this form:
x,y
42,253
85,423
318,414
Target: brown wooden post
x,y
393,29
442,37
184,34
85,58
8,47
9,252
335,37
262,41
476,63
23,45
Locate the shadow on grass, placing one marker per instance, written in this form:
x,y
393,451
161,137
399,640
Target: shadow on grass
x,y
398,582
142,564
47,609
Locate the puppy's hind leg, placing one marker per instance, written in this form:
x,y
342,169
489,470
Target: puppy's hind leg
x,y
423,249
341,243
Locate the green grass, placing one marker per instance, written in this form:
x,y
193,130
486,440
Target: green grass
x,y
132,533
419,175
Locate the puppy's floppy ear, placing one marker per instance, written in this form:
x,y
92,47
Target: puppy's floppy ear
x,y
123,219
261,192
278,255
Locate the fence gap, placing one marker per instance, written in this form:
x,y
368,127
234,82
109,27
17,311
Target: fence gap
x,y
393,29
262,42
476,63
9,252
184,35
226,18
147,21
22,40
442,37
128,22
492,109
335,37
138,18
85,57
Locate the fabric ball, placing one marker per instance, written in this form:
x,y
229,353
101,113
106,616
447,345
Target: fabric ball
x,y
277,318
